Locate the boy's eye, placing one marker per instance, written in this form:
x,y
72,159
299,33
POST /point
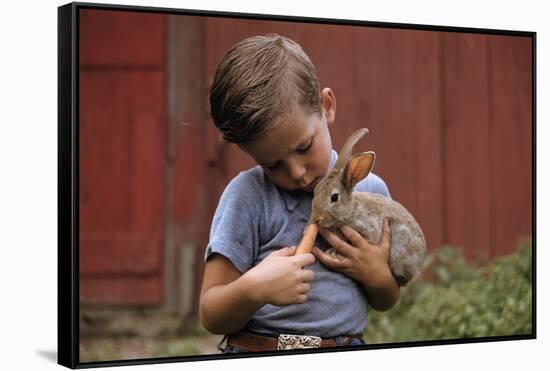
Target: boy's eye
x,y
272,166
306,148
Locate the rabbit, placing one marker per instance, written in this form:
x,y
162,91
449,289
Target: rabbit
x,y
334,204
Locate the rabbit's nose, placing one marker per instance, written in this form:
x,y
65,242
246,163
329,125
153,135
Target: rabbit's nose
x,y
319,219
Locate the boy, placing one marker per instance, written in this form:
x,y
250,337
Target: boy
x,y
266,98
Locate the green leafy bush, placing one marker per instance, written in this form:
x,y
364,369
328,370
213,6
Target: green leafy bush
x,y
460,300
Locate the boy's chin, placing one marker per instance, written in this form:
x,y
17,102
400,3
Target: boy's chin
x,y
308,188
295,189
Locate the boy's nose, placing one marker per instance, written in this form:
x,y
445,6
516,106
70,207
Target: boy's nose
x,y
297,171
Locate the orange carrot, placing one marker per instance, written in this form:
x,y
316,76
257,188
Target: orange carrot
x,y
306,245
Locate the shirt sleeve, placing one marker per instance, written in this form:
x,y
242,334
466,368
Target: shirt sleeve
x,y
234,232
373,184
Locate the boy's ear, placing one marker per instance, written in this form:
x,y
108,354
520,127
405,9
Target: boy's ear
x,y
357,168
328,103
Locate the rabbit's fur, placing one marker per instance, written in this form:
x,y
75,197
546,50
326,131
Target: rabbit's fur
x,y
365,212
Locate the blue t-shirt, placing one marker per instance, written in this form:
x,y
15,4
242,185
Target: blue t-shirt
x,y
254,217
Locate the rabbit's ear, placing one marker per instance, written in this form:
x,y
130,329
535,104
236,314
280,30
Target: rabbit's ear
x,y
345,152
357,168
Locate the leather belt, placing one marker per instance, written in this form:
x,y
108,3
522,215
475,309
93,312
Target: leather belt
x,y
252,342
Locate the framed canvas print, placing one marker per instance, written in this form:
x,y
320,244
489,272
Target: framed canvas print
x,y
234,185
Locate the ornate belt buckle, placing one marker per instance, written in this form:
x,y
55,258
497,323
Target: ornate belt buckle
x,y
285,341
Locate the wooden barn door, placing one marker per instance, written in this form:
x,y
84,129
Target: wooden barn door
x,y
122,135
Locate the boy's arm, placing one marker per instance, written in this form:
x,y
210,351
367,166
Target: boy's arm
x,y
364,262
229,298
385,296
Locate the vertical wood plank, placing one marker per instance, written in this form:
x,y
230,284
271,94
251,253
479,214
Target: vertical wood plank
x,y
511,139
427,98
385,90
191,179
466,125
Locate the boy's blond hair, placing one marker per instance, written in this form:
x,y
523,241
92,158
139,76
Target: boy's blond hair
x,y
261,80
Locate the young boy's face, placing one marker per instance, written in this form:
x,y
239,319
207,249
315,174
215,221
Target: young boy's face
x,y
296,152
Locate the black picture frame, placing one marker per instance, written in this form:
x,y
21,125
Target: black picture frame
x,y
68,178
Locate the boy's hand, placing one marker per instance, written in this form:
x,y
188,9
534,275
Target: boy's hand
x,y
360,260
280,278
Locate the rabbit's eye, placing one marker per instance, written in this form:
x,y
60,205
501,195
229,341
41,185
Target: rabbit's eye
x,y
334,197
